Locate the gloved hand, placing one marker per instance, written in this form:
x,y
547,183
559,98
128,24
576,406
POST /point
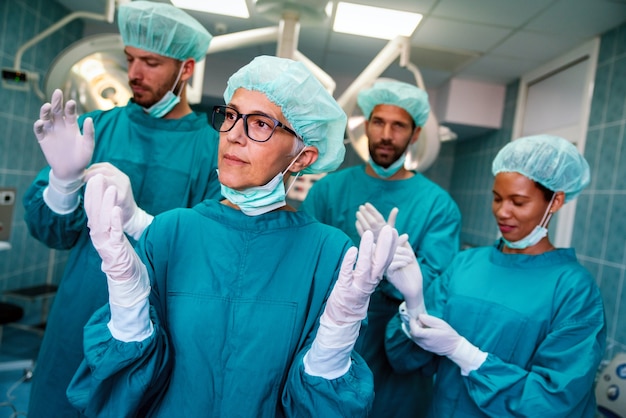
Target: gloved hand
x,y
437,336
67,151
369,218
405,274
127,276
346,307
134,219
349,299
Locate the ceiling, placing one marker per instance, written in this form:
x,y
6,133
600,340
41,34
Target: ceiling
x,y
484,40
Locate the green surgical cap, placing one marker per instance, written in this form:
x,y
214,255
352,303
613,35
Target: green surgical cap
x,y
305,103
551,161
407,96
162,29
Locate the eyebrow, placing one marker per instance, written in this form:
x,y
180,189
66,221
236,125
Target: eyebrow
x,y
260,112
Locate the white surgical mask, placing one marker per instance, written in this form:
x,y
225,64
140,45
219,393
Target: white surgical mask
x,y
168,101
389,171
258,200
536,235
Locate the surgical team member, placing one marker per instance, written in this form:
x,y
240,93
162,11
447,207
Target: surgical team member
x,y
396,111
516,329
227,309
161,153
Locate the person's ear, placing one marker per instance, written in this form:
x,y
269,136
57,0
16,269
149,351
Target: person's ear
x,y
307,157
416,134
559,201
188,67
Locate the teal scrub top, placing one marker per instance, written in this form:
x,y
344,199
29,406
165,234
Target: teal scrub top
x,y
170,163
235,302
541,320
433,221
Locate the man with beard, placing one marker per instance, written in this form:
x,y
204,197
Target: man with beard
x,y
158,152
354,199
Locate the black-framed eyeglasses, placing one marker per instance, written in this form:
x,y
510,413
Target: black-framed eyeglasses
x,y
257,126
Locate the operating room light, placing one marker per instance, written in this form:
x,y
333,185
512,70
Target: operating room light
x,y
236,8
374,22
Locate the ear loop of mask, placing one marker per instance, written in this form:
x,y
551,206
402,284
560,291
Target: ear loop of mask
x,y
548,215
180,73
293,182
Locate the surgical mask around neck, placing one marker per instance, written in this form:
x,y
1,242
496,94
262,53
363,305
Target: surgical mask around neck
x,y
389,171
536,235
168,101
258,200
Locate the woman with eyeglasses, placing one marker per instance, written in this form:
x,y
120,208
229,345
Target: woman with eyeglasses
x,y
244,307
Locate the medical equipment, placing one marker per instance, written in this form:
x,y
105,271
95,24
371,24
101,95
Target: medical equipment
x,y
611,388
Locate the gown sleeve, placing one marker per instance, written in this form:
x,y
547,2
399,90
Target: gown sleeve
x,y
56,231
120,379
350,395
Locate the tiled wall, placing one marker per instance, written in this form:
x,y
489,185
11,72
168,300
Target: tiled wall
x,y
599,235
26,263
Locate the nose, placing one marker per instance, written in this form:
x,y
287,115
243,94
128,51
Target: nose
x,y
501,210
387,130
237,132
133,71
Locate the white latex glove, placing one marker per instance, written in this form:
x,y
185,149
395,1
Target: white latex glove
x,y
349,299
369,218
437,336
346,307
67,151
127,276
134,219
405,274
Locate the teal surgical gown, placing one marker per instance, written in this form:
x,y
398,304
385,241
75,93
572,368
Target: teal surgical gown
x,y
235,302
170,163
433,221
541,320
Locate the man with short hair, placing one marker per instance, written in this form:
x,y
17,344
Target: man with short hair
x,y
356,197
158,152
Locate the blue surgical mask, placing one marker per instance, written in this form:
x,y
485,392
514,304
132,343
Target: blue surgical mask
x,y
258,200
536,235
389,171
168,101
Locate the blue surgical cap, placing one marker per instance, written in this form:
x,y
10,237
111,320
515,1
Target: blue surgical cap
x,y
307,106
162,29
407,96
551,161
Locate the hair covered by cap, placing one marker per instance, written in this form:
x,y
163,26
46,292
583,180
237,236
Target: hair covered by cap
x,y
162,29
308,107
407,96
550,160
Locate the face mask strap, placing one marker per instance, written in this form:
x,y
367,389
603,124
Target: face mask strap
x,y
548,215
180,73
289,166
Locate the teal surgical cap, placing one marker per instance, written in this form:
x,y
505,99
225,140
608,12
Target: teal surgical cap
x,y
307,106
551,161
162,29
407,96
